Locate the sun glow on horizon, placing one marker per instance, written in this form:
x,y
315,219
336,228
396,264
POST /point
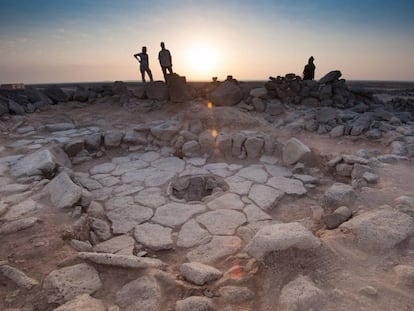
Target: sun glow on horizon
x,y
202,60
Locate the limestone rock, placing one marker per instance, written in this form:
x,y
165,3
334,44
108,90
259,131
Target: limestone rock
x,y
154,236
191,234
41,162
236,294
166,130
19,210
226,201
330,77
199,273
265,196
124,261
294,151
140,294
177,88
300,294
115,245
74,146
18,277
101,228
338,195
279,237
287,185
16,108
258,92
326,114
222,221
63,192
195,303
339,216
150,197
404,275
253,173
93,141
17,225
226,94
83,303
254,146
65,284
113,138
126,218
218,248
380,230
175,214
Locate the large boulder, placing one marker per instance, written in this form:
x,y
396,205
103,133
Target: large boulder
x,y
330,77
338,195
279,237
226,94
178,88
67,283
199,273
41,162
156,90
55,94
63,192
294,151
380,230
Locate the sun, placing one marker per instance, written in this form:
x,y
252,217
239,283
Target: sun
x,y
202,60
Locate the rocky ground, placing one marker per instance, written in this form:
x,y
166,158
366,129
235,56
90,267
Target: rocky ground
x,y
284,195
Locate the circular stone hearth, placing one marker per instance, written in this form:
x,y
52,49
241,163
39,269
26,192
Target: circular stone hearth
x,y
197,187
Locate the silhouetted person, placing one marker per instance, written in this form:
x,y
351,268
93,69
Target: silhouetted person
x,y
309,71
144,64
164,56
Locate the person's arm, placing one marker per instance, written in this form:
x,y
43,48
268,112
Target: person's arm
x,y
169,54
137,56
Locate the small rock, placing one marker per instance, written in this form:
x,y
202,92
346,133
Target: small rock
x,y
369,291
404,275
294,151
236,294
338,195
124,261
83,303
195,303
63,192
199,273
18,277
339,216
140,294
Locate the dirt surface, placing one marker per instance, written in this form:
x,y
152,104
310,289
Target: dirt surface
x,y
340,270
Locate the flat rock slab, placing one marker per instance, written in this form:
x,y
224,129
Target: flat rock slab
x,y
140,294
154,236
115,244
198,273
124,219
253,173
195,303
67,283
18,225
150,197
83,303
380,230
18,277
21,209
102,168
279,237
287,185
171,164
175,214
222,222
123,261
278,171
254,214
191,234
41,162
265,197
63,191
226,201
218,248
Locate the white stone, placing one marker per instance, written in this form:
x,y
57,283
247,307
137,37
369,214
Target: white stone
x,y
140,294
199,273
279,237
175,214
253,173
294,151
222,221
154,236
265,197
63,192
124,261
226,201
150,197
21,209
254,213
83,303
287,185
126,218
218,248
102,168
115,245
191,234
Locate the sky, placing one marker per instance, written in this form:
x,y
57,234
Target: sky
x,y
52,41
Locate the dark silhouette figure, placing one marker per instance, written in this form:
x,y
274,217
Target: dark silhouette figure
x,y
309,71
144,64
164,56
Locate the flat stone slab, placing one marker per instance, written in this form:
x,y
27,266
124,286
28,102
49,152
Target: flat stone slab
x,y
124,219
279,237
102,168
67,283
124,261
115,245
226,201
278,171
218,248
265,197
18,277
287,185
119,202
171,164
154,236
239,185
175,214
140,294
195,303
198,273
253,173
380,230
41,162
123,168
254,213
18,225
191,234
63,191
83,303
21,209
222,222
150,197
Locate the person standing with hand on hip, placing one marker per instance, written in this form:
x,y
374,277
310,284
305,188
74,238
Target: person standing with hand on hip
x,y
144,64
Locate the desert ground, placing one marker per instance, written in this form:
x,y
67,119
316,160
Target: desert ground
x,y
275,195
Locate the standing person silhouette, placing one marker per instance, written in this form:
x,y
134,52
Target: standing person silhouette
x,y
164,56
144,64
309,70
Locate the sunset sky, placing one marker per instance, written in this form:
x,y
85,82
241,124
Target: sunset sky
x,y
85,40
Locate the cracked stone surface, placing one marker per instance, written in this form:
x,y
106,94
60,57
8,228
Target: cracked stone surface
x,y
154,236
222,222
175,214
124,219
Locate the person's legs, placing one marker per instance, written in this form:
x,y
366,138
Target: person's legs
x,y
164,72
170,69
149,74
142,74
